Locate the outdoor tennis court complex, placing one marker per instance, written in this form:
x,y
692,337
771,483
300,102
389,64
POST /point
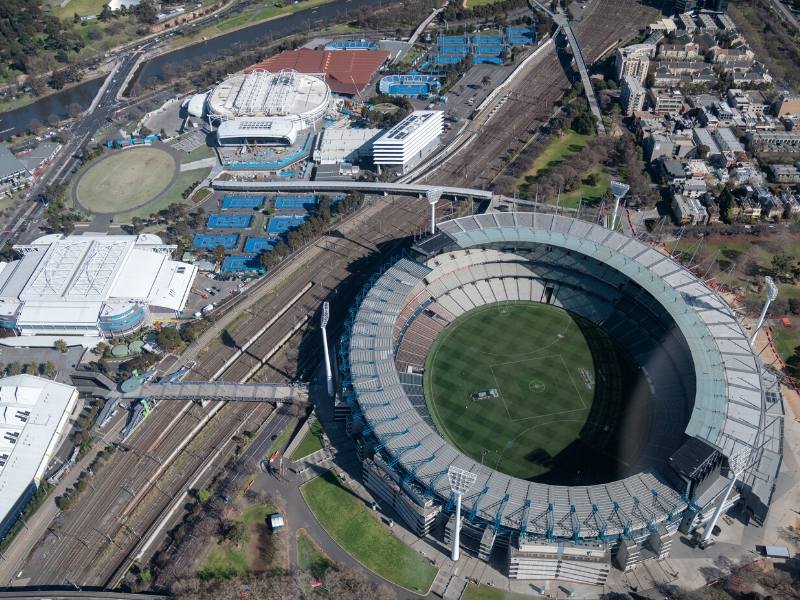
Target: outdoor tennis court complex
x,y
595,388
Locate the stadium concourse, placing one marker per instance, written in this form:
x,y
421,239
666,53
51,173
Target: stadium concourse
x,y
709,398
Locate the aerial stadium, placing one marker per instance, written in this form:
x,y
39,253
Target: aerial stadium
x,y
263,107
598,392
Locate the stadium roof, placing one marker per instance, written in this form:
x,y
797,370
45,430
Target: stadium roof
x,y
34,413
347,71
260,92
728,410
259,127
71,279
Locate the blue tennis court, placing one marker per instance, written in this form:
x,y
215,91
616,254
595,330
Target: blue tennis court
x,y
255,245
457,50
447,59
242,201
451,40
219,221
283,223
295,201
483,39
487,60
205,241
488,49
238,264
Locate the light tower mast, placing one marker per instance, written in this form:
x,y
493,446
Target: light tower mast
x,y
737,465
618,190
326,313
460,482
772,293
433,195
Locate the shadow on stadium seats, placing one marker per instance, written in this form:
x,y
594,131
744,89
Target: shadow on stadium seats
x,y
309,350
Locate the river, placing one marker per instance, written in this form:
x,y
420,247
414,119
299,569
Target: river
x,y
19,120
210,49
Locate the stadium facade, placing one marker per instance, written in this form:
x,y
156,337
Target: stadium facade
x,y
84,288
711,395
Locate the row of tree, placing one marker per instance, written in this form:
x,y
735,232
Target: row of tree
x,y
322,217
67,500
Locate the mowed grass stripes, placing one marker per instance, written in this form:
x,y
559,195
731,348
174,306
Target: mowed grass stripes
x,y
536,356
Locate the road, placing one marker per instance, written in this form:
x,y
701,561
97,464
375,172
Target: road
x,y
786,13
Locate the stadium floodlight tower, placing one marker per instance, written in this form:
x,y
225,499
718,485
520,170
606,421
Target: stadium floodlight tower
x,y
326,314
618,190
460,482
737,464
433,195
772,293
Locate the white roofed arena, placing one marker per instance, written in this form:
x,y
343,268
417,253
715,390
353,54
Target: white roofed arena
x,y
84,288
261,106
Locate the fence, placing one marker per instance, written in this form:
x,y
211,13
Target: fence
x,y
281,224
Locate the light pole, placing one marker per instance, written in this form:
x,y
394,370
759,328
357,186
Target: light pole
x,y
618,190
737,465
772,293
433,197
326,313
460,482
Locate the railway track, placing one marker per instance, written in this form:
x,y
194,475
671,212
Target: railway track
x,y
530,100
87,544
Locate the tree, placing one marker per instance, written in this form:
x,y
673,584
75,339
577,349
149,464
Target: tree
x,y
14,368
349,583
137,224
61,346
105,14
168,338
780,264
30,368
48,369
219,253
486,80
726,203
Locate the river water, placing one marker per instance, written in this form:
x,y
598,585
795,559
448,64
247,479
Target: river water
x,y
19,120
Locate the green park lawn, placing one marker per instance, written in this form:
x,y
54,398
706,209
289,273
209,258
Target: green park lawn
x,y
125,180
588,194
226,560
280,442
786,338
485,592
356,529
82,7
556,151
310,558
311,442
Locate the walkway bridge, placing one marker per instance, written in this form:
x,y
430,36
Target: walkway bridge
x,y
563,23
222,392
366,187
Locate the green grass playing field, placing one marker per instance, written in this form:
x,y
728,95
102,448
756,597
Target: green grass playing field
x,y
538,359
125,180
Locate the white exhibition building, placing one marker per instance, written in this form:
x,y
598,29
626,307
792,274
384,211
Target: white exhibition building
x,y
89,287
34,418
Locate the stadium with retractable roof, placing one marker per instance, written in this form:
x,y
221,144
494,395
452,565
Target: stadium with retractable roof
x,y
597,390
